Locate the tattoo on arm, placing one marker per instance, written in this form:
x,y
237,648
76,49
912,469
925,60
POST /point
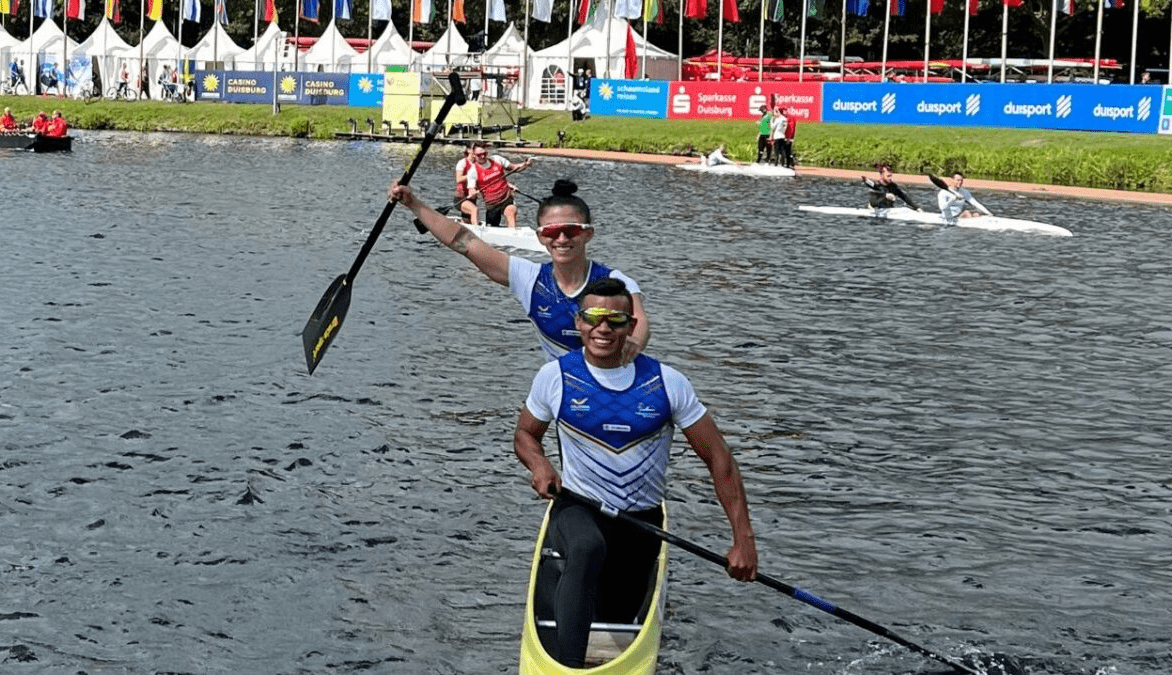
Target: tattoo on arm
x,y
461,241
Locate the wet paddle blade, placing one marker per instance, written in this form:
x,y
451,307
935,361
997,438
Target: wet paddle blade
x,y
325,321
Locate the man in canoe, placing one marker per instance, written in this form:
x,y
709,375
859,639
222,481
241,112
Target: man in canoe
x,y
614,425
951,202
884,191
488,178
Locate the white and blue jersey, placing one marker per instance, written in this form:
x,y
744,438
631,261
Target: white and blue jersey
x,y
615,425
551,310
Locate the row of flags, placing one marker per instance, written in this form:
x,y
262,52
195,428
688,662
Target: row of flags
x,y
423,10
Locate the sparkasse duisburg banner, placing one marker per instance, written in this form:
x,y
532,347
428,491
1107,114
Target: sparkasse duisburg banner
x,y
1076,107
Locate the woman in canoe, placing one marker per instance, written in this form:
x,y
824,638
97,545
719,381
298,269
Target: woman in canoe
x,y
549,293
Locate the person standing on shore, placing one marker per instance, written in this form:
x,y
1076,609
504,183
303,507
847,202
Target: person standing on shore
x,y
777,134
787,143
764,127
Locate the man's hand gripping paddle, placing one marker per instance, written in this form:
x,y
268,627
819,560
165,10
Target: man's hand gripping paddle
x,y
326,319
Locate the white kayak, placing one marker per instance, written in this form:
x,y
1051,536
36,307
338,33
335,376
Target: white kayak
x,y
520,237
752,170
902,213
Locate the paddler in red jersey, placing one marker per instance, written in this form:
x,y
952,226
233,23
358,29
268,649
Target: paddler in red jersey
x,y
58,127
487,177
8,122
40,123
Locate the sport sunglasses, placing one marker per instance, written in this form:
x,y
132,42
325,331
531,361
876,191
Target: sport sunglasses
x,y
555,230
615,318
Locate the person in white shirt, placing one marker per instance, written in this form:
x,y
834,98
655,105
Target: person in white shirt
x,y
777,134
951,202
717,157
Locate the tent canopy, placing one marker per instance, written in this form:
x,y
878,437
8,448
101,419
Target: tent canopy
x,y
332,52
390,49
447,50
268,48
215,45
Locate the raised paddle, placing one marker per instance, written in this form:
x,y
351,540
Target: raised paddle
x,y
792,591
940,183
326,319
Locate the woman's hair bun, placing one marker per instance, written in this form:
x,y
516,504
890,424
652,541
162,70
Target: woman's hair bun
x,y
564,188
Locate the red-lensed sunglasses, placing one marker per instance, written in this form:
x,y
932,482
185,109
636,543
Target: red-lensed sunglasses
x,y
555,230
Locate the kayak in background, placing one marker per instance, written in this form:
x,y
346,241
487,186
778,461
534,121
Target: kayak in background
x,y
904,214
508,237
614,648
751,170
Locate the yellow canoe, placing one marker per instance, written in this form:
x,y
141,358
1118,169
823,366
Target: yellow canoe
x,y
614,649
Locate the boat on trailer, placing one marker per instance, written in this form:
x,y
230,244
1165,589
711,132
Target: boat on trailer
x,y
904,214
755,170
36,142
615,648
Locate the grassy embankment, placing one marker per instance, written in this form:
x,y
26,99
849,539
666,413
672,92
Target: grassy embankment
x,y
1082,159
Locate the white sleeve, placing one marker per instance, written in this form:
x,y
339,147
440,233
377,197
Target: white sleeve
x,y
545,396
632,286
471,180
522,276
504,162
686,409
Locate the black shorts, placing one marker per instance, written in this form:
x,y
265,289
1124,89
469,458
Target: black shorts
x,y
492,217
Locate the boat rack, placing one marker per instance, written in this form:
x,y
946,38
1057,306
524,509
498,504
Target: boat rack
x,y
455,134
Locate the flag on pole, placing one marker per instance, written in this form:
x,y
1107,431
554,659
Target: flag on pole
x,y
496,10
730,11
898,6
586,10
114,11
1113,4
457,12
191,10
543,10
628,9
309,10
653,11
1013,3
222,11
343,9
154,10
631,57
973,6
9,6
380,10
935,6
1066,6
815,7
75,9
421,11
858,7
42,8
695,9
776,10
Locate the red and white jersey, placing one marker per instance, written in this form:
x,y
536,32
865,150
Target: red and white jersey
x,y
490,180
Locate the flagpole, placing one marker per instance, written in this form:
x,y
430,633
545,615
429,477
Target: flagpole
x,y
296,36
1053,29
370,37
451,29
486,12
31,72
643,66
1098,38
255,25
842,45
141,47
761,46
964,58
411,33
927,35
63,87
215,29
609,17
720,43
679,49
886,28
569,50
802,44
523,80
1005,35
1134,36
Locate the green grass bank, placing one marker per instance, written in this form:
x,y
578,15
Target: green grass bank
x,y
1077,159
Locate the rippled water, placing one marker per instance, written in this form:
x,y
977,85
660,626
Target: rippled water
x,y
960,435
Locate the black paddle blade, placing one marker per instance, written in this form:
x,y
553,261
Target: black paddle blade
x,y
938,182
457,88
325,322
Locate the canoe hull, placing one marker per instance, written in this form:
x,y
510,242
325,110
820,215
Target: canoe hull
x,y
524,238
750,170
36,143
992,223
639,657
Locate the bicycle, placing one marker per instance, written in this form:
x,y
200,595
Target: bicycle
x,y
119,92
10,88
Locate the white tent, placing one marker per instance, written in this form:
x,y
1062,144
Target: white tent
x,y
9,49
505,59
267,51
159,47
390,49
111,52
215,46
331,53
448,50
551,70
48,45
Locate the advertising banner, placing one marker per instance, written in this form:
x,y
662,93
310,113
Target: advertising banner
x,y
743,100
366,90
1166,111
323,88
629,98
401,99
234,86
1082,107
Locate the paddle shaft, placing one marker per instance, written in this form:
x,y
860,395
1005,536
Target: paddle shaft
x,y
939,182
792,591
